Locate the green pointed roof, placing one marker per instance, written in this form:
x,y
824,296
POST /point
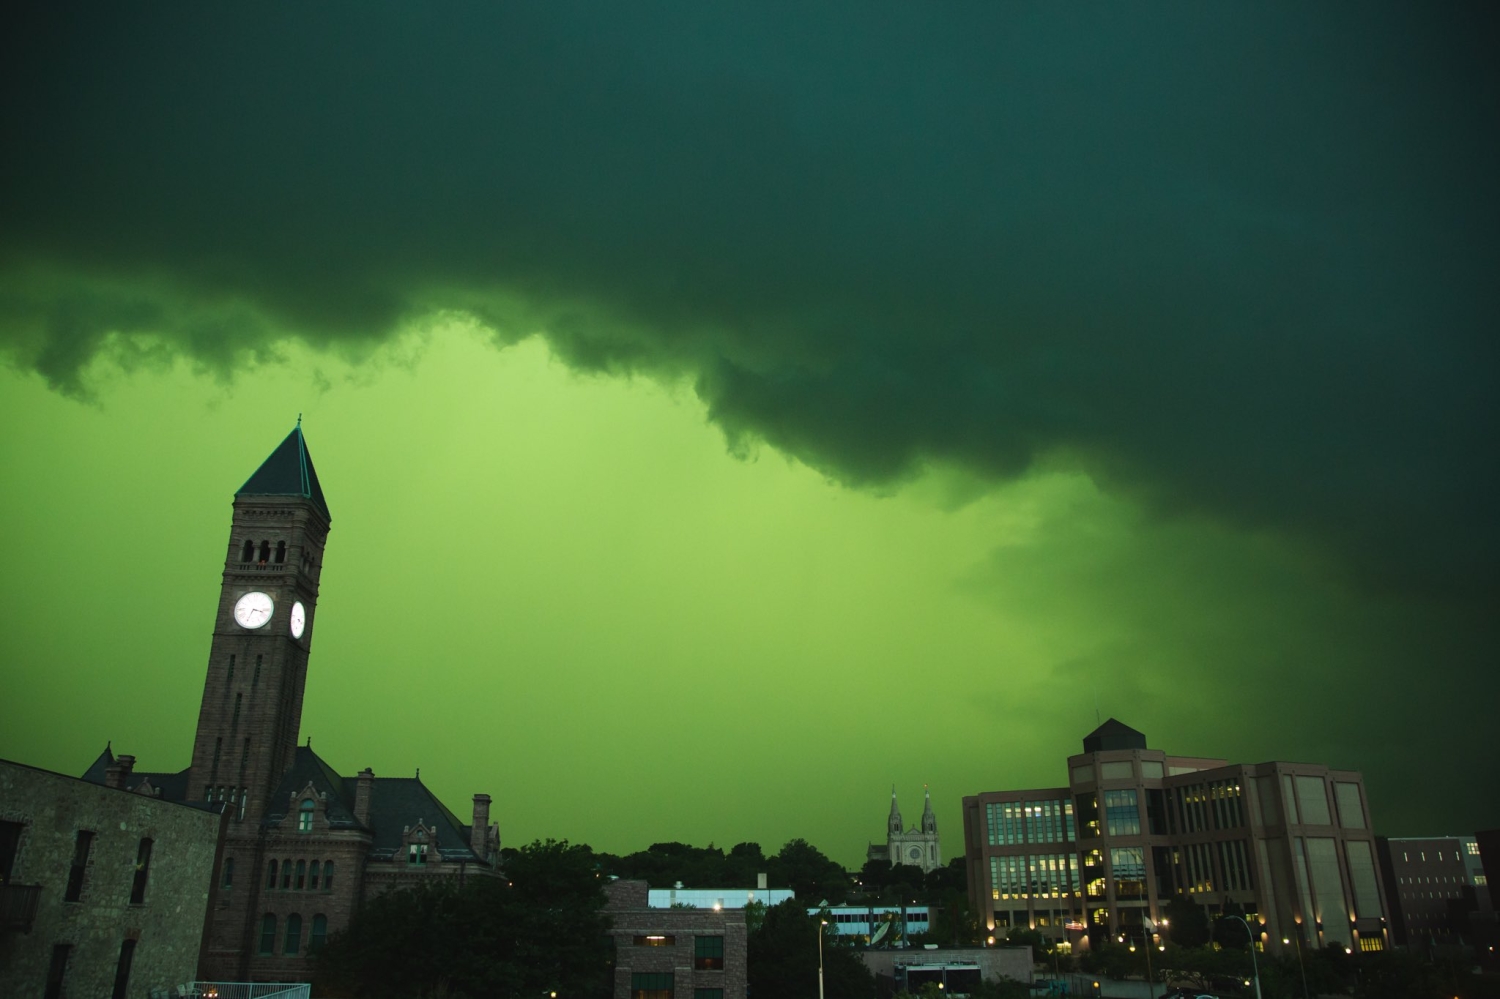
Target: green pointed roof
x,y
288,472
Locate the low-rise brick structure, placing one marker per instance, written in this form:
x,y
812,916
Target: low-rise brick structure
x,y
679,952
103,891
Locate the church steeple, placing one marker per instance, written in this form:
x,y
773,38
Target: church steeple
x,y
894,822
929,820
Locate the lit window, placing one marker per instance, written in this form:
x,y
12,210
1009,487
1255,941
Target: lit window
x,y
416,853
656,940
305,816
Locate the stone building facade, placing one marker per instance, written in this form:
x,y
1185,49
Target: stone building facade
x,y
103,891
305,845
678,953
918,846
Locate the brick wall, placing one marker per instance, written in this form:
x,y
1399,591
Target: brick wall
x,y
634,922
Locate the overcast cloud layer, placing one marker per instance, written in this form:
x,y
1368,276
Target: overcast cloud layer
x,y
1234,259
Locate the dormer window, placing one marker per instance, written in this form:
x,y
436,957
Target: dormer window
x,y
416,853
305,816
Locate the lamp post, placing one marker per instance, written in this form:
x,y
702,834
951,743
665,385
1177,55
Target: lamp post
x,y
1254,964
1300,968
821,923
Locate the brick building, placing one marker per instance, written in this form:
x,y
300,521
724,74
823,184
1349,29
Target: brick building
x,y
305,845
1289,843
103,891
687,953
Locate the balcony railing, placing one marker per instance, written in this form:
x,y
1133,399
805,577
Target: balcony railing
x,y
18,906
248,990
260,567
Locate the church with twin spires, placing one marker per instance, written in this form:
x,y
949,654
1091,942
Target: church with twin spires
x,y
304,845
917,846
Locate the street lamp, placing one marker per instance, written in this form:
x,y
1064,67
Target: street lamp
x,y
1254,964
821,923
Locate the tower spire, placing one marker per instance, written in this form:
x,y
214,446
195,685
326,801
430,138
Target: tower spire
x,y
894,821
929,820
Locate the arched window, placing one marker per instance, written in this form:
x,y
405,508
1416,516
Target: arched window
x,y
248,552
301,874
286,874
318,935
305,816
271,875
293,934
268,934
328,875
312,876
228,873
265,551
280,552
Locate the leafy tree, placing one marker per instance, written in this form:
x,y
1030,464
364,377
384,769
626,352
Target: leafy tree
x,y
953,922
803,868
952,877
1187,923
540,928
783,958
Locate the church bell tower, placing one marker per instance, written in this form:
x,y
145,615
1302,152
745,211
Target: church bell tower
x,y
263,629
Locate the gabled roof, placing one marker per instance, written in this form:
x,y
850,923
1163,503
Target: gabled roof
x,y
309,768
288,472
398,802
173,787
395,803
1113,735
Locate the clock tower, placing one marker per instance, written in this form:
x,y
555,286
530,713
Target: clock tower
x,y
263,630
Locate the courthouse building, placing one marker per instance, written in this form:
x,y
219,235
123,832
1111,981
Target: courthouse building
x,y
305,845
1289,843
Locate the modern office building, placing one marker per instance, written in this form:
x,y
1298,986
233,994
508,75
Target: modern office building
x,y
1289,843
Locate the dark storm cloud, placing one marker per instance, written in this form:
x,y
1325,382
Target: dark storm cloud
x,y
1239,259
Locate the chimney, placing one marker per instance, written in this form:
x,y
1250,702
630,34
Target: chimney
x,y
760,882
481,827
117,773
364,790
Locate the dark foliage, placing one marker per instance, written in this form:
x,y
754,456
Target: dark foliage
x,y
783,958
1187,923
540,929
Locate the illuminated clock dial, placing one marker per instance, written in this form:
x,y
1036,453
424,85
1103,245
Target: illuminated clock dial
x,y
253,610
298,619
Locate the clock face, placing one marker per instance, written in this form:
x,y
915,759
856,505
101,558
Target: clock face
x,y
298,619
253,610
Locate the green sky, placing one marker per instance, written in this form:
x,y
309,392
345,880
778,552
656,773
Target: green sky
x,y
728,412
